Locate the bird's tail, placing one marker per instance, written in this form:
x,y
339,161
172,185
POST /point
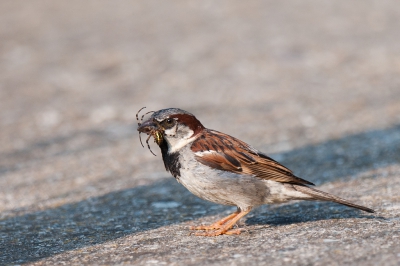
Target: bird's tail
x,y
320,195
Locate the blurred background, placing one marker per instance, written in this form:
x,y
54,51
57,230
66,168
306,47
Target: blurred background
x,y
316,84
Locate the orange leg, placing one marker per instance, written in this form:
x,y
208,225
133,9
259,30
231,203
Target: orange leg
x,y
216,225
224,228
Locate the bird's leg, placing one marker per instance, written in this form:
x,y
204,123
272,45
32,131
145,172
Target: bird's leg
x,y
224,229
217,224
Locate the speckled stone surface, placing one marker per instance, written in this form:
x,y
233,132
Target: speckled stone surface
x,y
314,84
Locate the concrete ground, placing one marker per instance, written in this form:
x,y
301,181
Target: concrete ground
x,y
314,84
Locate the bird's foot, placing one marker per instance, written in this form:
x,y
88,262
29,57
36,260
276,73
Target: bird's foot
x,y
218,232
222,227
214,226
217,225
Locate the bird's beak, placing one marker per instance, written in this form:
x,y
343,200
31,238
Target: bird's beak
x,y
152,128
148,126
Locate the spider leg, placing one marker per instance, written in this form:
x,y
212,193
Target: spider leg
x,y
141,140
137,118
141,119
148,145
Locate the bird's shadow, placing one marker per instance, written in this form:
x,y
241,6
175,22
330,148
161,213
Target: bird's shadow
x,y
33,236
303,212
27,237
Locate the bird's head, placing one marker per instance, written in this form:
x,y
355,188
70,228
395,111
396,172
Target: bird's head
x,y
176,126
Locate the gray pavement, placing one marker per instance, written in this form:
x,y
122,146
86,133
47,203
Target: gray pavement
x,y
314,84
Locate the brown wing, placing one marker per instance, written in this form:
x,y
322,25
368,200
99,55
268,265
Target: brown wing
x,y
224,152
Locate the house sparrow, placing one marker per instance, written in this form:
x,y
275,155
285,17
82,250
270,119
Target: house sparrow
x,y
220,168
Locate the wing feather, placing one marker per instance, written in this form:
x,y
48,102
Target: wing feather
x,y
224,152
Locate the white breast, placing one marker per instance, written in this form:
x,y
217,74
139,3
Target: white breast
x,y
218,186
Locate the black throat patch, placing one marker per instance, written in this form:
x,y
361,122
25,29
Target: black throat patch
x,y
171,161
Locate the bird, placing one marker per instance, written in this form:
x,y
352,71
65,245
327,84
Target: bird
x,y
223,169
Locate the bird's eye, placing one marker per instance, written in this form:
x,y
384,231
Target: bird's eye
x,y
168,123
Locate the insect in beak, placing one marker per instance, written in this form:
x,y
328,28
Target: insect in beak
x,y
150,127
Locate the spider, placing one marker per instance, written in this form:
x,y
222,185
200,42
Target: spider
x,y
153,132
